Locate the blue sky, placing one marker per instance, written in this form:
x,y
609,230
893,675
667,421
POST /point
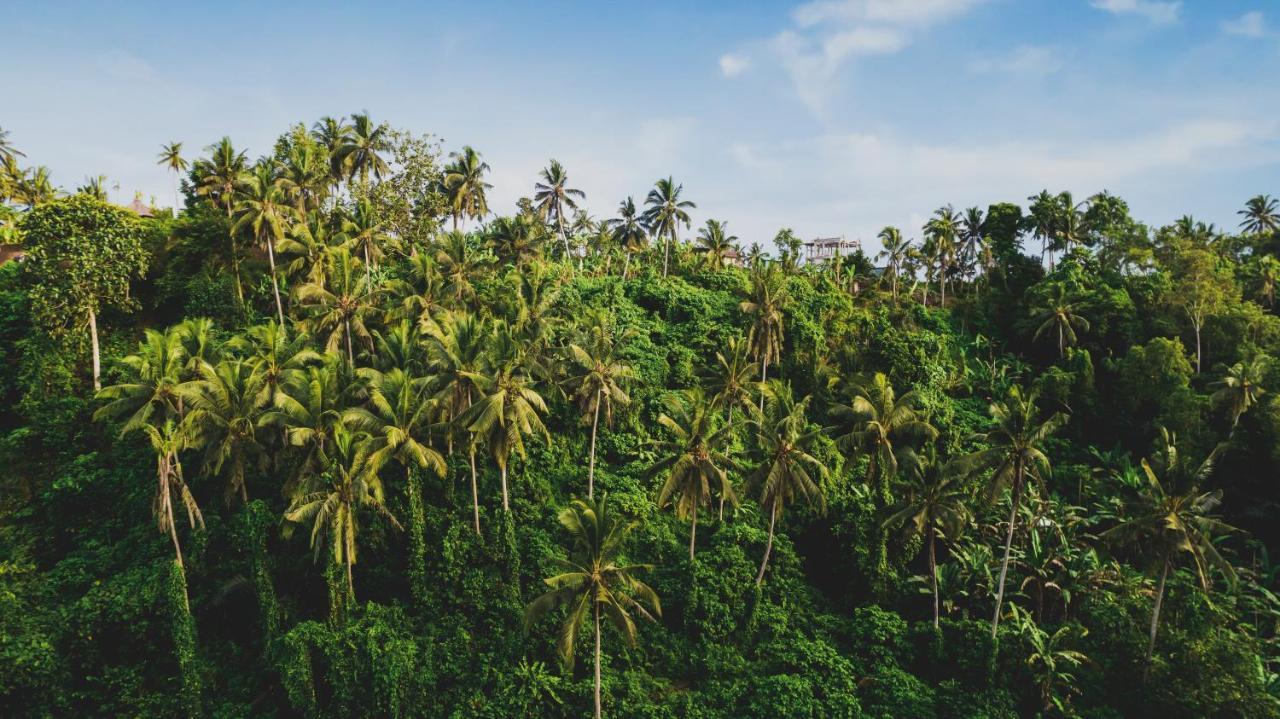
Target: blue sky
x,y
831,117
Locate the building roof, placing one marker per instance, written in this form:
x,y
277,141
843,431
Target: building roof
x,y
139,208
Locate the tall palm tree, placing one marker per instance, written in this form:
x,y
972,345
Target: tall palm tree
x,y
1268,278
36,187
508,408
464,186
790,471
629,232
1059,313
307,248
972,232
730,379
303,175
554,197
943,229
218,178
273,354
171,158
149,396
695,461
341,309
1241,386
358,153
1014,452
1070,229
516,240
396,420
226,404
766,300
715,243
7,150
597,377
456,354
881,424
595,580
664,213
1261,215
460,263
1043,216
95,187
935,506
365,233
1169,524
308,408
265,212
894,253
330,502
168,440
333,134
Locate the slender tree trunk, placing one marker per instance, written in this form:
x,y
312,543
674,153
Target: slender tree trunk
x,y
591,469
275,284
729,433
368,273
475,492
506,506
666,250
351,355
97,356
764,373
768,547
933,574
1008,545
626,264
1155,613
693,531
597,613
351,583
175,195
1197,324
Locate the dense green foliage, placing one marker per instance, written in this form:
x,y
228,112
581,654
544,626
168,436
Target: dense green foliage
x,y
966,483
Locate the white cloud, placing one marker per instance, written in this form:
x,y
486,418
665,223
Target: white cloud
x,y
1025,60
1153,10
1250,24
733,64
892,12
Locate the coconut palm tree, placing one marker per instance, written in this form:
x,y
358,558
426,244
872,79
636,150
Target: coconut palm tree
x,y
459,264
273,354
972,232
171,158
307,248
934,507
766,301
880,424
790,471
508,407
308,408
365,234
330,502
1261,214
553,197
341,309
729,382
715,244
357,155
263,210
333,134
1014,452
7,151
396,420
303,175
95,187
1043,216
168,440
456,355
629,232
1170,524
516,240
226,404
664,213
464,186
894,253
942,230
36,187
149,396
594,581
1268,277
1241,386
694,461
597,378
1058,313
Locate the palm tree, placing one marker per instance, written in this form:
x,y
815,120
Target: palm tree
x,y
934,507
694,461
333,134
894,252
358,153
1050,661
553,197
308,408
7,151
464,185
729,383
1269,277
1168,525
167,441
460,263
597,378
664,212
365,233
456,353
150,395
341,308
1059,313
881,424
1014,451
330,501
509,408
972,232
1070,227
790,470
303,175
594,581
274,354
1261,214
766,300
715,243
396,420
218,178
1241,386
307,247
95,187
171,158
628,231
942,229
264,210
1043,215
36,187
516,240
226,405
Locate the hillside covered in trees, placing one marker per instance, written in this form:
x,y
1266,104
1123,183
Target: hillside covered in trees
x,y
336,438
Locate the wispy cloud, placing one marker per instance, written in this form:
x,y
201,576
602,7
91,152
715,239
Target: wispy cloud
x,y
1154,10
1250,24
1024,60
826,34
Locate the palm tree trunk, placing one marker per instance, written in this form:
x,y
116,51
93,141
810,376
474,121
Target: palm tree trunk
x,y
97,357
933,574
768,547
764,373
591,470
175,195
1008,545
351,355
1197,327
626,263
506,506
666,251
693,531
1061,351
368,273
475,492
729,433
597,613
1155,613
275,284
